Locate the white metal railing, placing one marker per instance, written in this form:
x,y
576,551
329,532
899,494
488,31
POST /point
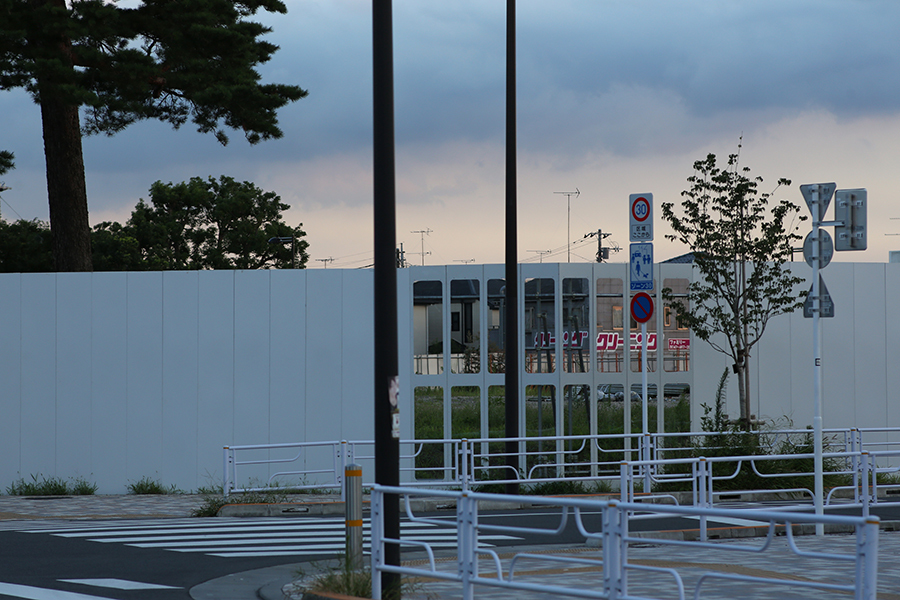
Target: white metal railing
x,y
340,452
469,462
614,540
861,467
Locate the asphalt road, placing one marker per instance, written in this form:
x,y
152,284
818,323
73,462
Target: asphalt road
x,y
165,558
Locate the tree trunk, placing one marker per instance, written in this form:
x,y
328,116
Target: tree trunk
x,y
66,189
740,368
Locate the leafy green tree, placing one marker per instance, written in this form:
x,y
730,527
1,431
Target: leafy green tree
x,y
202,224
172,61
114,248
25,247
741,239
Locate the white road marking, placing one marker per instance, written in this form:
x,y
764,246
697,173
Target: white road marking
x,y
120,584
257,537
731,521
35,593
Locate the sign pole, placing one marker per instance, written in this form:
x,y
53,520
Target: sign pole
x,y
642,311
850,229
817,367
640,278
645,427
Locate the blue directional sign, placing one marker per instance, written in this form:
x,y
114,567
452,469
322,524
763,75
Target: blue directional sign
x,y
641,258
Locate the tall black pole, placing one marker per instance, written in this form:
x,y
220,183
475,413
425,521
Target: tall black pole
x,y
512,281
387,436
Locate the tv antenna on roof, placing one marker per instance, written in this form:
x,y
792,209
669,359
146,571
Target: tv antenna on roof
x,y
569,195
541,253
422,233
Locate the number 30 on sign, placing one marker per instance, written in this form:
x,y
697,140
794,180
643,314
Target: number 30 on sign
x,y
641,217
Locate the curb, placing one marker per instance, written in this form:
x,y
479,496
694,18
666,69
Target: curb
x,y
336,507
293,509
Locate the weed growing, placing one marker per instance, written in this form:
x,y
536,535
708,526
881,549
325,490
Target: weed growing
x,y
343,579
214,499
147,486
50,486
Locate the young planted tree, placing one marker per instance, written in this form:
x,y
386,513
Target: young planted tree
x,y
741,239
173,61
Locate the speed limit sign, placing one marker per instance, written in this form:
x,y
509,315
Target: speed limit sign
x,y
641,217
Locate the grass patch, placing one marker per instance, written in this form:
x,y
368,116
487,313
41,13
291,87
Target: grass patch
x,y
343,580
147,486
51,486
214,499
540,412
568,488
83,487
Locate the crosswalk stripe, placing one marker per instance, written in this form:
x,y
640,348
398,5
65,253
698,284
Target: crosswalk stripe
x,y
238,528
731,521
35,593
437,537
253,537
120,584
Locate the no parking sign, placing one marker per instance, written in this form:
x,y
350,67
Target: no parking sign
x,y
642,307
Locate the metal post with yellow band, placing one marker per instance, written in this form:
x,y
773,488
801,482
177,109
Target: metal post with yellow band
x,y
353,515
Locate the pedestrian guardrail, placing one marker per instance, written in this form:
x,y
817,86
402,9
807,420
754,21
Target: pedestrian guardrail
x,y
478,567
466,463
237,459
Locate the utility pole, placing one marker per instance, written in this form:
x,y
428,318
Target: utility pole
x,y
569,195
401,257
602,253
326,261
464,260
422,233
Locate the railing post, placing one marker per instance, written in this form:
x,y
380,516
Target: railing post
x,y
377,546
854,458
703,480
463,463
354,517
228,461
625,481
467,535
645,458
868,548
341,450
868,477
614,583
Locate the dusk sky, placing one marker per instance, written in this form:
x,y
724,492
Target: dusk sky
x,y
614,97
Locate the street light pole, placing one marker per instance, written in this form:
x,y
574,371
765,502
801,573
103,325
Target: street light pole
x,y
511,338
386,371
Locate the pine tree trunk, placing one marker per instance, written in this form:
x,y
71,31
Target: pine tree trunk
x,y
66,189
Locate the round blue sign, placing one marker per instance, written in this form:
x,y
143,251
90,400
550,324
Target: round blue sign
x,y
642,307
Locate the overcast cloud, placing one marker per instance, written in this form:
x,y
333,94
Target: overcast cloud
x,y
613,97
